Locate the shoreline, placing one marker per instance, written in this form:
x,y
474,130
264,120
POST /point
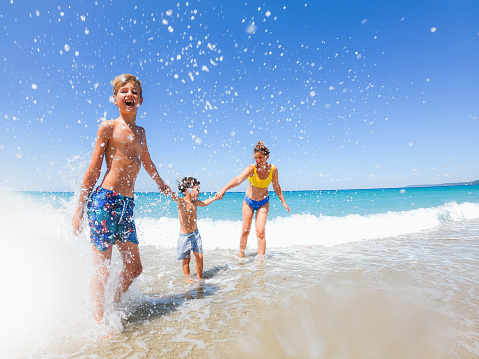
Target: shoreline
x,y
459,184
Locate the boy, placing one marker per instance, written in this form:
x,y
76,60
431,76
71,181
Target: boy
x,y
189,238
110,209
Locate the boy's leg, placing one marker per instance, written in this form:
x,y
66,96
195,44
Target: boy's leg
x,y
186,269
247,219
261,218
101,264
132,267
199,264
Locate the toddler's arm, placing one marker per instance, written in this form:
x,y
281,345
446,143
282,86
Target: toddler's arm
x,y
174,197
206,202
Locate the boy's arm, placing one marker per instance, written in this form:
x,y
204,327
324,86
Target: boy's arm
x,y
92,174
206,201
235,182
151,168
277,188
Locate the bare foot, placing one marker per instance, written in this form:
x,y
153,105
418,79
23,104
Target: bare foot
x,y
105,332
241,254
188,279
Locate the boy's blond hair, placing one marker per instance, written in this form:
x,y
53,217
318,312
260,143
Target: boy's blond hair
x,y
123,79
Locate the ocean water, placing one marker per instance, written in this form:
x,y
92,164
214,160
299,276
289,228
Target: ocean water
x,y
380,273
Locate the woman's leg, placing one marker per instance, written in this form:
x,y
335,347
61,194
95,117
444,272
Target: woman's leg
x,y
247,219
261,218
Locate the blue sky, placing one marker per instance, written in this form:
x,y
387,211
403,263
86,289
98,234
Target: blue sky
x,y
346,94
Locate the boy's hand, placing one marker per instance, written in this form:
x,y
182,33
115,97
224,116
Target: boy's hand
x,y
286,207
76,224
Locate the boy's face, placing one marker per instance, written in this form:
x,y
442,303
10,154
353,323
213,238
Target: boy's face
x,y
128,97
260,158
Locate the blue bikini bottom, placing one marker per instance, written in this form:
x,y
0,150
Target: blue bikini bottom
x,y
255,204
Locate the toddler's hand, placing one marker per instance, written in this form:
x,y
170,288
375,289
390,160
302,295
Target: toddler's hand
x,y
165,189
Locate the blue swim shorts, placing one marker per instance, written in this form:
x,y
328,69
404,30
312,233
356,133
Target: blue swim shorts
x,y
110,217
255,205
189,242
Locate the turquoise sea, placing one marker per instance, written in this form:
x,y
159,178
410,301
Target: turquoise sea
x,y
376,273
335,203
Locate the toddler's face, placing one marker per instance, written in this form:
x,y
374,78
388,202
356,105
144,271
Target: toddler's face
x,y
194,192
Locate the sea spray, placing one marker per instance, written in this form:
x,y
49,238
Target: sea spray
x,y
45,279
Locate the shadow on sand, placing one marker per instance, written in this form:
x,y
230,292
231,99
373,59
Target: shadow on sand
x,y
155,306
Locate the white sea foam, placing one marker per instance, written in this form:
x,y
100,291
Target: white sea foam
x,y
309,230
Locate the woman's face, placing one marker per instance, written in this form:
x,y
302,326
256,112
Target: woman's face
x,y
260,158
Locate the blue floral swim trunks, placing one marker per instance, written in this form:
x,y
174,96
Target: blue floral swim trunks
x,y
110,216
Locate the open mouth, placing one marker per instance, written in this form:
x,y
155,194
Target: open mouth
x,y
129,103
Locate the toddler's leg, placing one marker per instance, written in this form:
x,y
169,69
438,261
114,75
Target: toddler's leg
x,y
186,269
199,264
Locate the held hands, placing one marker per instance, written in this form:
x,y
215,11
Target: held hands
x,y
165,189
219,195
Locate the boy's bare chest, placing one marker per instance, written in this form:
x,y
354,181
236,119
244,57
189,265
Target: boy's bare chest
x,y
188,210
129,142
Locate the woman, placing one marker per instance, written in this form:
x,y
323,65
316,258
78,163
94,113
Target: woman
x,y
256,196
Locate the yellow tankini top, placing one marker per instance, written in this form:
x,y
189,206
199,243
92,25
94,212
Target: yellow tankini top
x,y
261,183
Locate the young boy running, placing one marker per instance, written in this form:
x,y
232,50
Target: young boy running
x,y
189,238
110,208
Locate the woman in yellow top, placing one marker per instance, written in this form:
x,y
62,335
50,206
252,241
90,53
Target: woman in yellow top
x,y
256,196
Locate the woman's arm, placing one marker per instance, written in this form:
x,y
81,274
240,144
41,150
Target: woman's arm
x,y
277,188
235,182
206,201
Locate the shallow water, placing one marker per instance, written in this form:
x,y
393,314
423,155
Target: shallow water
x,y
411,295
